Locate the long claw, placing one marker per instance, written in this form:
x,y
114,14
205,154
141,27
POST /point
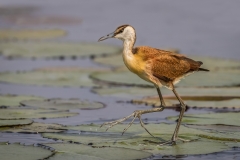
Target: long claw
x,y
142,124
125,129
135,114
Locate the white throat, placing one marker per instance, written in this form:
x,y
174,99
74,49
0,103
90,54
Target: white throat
x,y
128,37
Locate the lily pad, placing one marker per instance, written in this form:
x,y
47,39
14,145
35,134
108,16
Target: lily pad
x,y
7,114
56,49
60,76
125,91
8,34
7,123
14,100
17,10
87,152
217,127
199,97
193,97
26,20
64,156
33,128
230,118
122,77
62,104
215,78
161,131
217,63
137,138
21,152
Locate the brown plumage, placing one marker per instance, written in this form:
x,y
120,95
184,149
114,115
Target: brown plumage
x,y
159,67
165,65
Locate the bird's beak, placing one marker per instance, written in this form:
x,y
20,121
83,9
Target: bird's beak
x,y
110,35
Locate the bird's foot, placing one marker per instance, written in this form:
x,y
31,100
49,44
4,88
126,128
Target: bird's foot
x,y
135,114
173,142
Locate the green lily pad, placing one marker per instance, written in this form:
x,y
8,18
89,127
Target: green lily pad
x,y
14,100
213,118
162,131
233,144
88,152
60,76
125,91
56,49
120,78
8,10
214,78
113,60
33,128
21,152
26,20
137,138
64,156
198,97
7,123
217,127
8,34
7,114
217,63
62,104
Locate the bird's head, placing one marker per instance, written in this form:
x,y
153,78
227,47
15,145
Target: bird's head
x,y
123,33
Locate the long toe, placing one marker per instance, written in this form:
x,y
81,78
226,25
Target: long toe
x,y
170,143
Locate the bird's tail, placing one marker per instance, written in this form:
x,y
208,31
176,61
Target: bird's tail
x,y
203,69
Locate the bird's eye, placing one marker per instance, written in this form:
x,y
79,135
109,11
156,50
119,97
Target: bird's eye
x,y
121,30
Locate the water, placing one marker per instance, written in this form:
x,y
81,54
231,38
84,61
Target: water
x,y
209,28
195,27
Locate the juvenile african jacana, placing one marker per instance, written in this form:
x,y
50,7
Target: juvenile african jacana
x,y
159,67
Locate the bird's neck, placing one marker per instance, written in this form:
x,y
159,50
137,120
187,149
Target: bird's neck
x,y
128,46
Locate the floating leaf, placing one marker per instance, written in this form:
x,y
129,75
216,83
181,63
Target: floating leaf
x,y
56,49
7,123
61,76
193,97
213,118
125,91
215,78
89,152
113,60
17,10
8,34
64,156
62,104
14,100
137,138
33,128
26,20
21,152
217,127
120,78
32,113
217,63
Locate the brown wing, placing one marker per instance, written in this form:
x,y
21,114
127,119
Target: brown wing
x,y
166,65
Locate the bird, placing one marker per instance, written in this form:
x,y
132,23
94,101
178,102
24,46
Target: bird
x,y
160,67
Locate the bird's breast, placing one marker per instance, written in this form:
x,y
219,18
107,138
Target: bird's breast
x,y
134,64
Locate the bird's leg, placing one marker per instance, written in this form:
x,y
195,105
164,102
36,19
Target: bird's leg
x,y
160,97
135,114
175,134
